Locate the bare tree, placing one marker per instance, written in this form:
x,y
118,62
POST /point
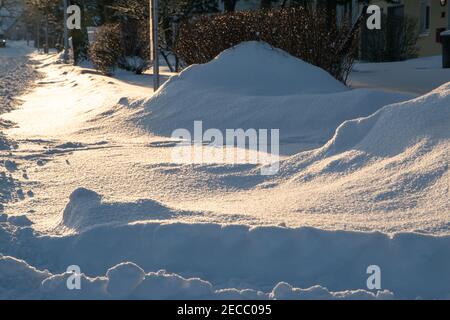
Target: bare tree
x,y
46,13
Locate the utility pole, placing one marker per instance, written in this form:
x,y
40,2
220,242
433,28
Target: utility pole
x,y
154,49
448,15
66,33
38,30
46,48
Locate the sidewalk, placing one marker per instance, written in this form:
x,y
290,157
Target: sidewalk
x,y
417,76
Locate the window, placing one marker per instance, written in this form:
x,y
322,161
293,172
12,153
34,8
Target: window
x,y
396,11
425,15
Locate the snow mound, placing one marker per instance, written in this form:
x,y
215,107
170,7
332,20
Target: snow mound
x,y
124,278
411,129
255,86
16,275
394,162
18,280
397,127
83,202
234,257
256,69
284,291
86,210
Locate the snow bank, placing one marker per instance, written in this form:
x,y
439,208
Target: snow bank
x,y
255,86
18,280
236,257
284,291
394,162
395,128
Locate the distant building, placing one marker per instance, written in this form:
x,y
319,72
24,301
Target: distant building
x,y
433,17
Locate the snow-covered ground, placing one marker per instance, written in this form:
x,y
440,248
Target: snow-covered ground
x,y
16,76
93,183
417,76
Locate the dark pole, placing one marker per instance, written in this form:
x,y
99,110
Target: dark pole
x,y
66,34
154,50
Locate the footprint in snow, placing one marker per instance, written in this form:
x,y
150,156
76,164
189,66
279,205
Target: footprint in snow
x,y
11,166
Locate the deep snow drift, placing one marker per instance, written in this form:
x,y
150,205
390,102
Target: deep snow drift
x,y
394,160
256,86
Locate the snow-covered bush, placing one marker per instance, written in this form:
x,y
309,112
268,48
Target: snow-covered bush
x,y
305,34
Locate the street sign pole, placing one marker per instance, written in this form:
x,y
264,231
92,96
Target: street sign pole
x,y
154,50
66,34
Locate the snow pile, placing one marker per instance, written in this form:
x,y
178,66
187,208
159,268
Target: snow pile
x,y
284,291
233,257
256,86
83,202
397,127
18,280
256,69
394,161
86,210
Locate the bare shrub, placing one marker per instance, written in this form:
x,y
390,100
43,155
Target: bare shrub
x,y
107,48
122,44
135,46
303,33
396,41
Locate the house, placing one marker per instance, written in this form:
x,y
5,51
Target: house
x,y
433,17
